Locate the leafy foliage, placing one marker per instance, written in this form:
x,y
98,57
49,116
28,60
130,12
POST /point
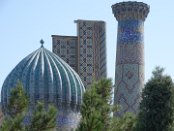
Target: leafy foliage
x,y
156,107
125,123
96,108
41,119
13,124
15,112
90,116
18,101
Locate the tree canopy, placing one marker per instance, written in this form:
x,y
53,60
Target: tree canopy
x,y
157,105
96,107
41,119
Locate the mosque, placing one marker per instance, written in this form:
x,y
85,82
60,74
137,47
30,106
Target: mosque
x,y
47,77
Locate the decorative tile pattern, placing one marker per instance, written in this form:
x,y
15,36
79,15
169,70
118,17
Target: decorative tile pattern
x,y
130,31
130,53
89,59
129,75
68,120
86,57
92,51
66,48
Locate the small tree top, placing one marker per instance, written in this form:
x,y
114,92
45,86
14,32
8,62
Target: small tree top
x,y
158,72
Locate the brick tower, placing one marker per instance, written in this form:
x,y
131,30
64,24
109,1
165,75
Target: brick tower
x,y
129,74
86,52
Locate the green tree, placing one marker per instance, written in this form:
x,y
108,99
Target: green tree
x,y
90,120
96,108
105,90
16,109
156,107
13,124
41,120
18,101
125,123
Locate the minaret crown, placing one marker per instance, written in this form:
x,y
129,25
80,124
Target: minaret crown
x,y
130,10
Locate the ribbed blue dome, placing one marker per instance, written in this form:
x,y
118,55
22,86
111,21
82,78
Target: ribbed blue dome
x,y
45,77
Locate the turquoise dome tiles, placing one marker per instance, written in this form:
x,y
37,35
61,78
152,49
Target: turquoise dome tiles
x,y
47,77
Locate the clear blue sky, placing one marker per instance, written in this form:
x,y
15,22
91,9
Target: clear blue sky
x,y
24,22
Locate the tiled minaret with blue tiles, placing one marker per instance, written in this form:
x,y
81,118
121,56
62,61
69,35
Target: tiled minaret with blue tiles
x,y
129,73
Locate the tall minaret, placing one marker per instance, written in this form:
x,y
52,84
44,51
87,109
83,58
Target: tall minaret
x,y
129,74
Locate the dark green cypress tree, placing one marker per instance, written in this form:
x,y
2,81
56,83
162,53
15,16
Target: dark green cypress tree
x,y
157,105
